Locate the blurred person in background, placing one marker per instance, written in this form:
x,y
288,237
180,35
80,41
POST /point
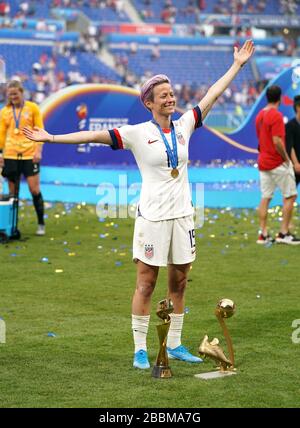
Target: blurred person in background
x,y
275,168
21,155
293,138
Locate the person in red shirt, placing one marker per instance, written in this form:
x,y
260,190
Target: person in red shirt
x,y
276,168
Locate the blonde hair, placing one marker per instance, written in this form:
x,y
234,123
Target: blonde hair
x,y
15,84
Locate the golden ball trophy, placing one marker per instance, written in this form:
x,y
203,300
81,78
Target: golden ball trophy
x,y
161,369
225,309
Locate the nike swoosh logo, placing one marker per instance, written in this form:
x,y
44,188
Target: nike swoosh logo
x,y
153,141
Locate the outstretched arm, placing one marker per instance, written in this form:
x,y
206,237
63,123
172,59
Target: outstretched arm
x,y
39,134
240,58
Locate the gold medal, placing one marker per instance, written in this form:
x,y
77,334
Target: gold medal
x,y
174,172
16,131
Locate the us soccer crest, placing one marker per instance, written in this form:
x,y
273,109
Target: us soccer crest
x,y
149,251
180,138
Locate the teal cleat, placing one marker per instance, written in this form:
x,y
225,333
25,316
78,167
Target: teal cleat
x,y
181,353
141,360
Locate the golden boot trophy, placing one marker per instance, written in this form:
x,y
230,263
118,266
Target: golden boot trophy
x,y
161,368
225,309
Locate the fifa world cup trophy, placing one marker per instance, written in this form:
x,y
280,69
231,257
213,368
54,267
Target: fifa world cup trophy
x,y
161,368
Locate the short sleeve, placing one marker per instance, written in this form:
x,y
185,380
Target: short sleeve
x,y
278,128
124,137
191,120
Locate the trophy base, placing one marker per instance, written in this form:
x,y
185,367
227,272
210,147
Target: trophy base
x,y
161,372
215,375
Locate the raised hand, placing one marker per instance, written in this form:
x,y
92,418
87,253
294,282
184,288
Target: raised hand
x,y
37,134
242,56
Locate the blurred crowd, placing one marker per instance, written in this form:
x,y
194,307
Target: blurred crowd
x,y
28,8
188,95
169,11
226,7
47,77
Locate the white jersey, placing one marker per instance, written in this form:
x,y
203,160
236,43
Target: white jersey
x,y
162,196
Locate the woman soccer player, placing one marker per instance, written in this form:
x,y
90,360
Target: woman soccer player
x,y
164,228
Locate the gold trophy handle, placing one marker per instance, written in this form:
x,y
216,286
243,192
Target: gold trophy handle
x,y
227,336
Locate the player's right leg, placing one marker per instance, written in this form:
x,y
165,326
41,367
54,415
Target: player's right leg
x,y
267,187
141,302
150,251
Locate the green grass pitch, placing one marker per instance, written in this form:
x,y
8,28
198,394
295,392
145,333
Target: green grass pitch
x,y
68,317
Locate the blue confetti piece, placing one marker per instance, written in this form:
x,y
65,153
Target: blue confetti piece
x,y
268,244
44,259
78,243
118,263
14,255
102,235
186,310
50,334
102,220
116,226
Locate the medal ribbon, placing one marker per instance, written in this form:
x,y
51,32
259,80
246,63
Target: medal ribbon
x,y
173,156
17,119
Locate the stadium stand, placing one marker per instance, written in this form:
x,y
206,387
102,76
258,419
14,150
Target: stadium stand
x,y
49,66
178,11
45,69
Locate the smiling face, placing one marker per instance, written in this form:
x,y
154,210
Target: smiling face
x,y
15,96
163,100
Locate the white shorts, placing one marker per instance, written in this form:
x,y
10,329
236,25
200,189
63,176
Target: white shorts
x,y
283,177
159,243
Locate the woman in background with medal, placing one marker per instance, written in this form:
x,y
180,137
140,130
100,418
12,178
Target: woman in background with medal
x,y
21,155
164,232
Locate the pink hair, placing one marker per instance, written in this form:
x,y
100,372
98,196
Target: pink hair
x,y
147,88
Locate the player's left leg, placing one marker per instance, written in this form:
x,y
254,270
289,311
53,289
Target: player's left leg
x,y
33,182
285,180
181,254
177,280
